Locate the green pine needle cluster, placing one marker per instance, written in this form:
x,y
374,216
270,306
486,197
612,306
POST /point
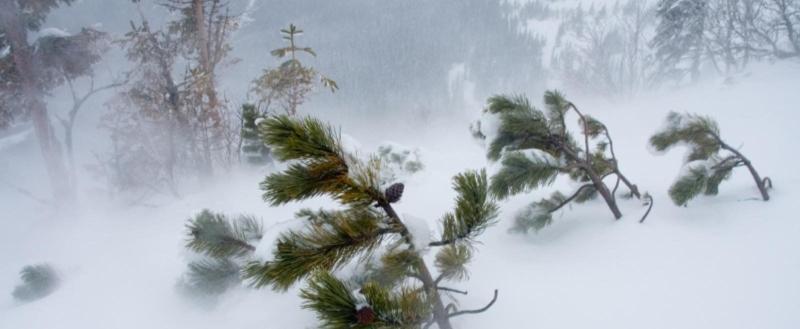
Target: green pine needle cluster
x,y
38,281
337,306
705,167
521,173
224,245
475,209
324,247
320,166
688,129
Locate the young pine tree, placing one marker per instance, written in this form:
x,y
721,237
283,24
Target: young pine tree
x,y
38,281
368,224
253,148
705,166
289,85
534,147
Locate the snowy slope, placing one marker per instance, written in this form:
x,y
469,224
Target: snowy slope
x,y
723,262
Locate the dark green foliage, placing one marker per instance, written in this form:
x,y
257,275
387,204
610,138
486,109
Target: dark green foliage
x,y
687,129
521,173
534,147
322,167
521,126
689,185
475,209
325,247
217,236
337,307
253,148
332,239
706,166
38,281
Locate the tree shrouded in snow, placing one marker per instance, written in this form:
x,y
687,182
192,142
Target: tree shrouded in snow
x,y
29,72
368,223
706,166
535,147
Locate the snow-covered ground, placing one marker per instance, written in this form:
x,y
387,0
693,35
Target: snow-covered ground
x,y
722,262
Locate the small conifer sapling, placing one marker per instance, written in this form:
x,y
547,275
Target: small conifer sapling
x,y
535,147
710,160
367,225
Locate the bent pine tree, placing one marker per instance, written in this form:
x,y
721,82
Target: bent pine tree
x,y
705,166
368,225
534,147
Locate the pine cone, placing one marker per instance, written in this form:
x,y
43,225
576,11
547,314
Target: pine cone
x,y
394,192
365,315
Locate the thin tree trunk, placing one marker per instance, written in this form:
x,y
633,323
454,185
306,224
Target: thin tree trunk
x,y
428,283
762,188
48,143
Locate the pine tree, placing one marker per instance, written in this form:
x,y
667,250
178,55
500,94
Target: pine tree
x,y
705,166
535,147
290,83
225,246
368,224
253,148
30,71
38,281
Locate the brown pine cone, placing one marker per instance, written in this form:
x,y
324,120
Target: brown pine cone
x,y
394,192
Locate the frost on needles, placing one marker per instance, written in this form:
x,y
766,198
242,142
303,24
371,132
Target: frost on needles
x,y
535,147
710,160
400,292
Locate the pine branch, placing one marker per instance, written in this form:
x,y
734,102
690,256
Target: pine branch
x,y
212,276
217,236
521,173
475,210
451,262
319,248
323,168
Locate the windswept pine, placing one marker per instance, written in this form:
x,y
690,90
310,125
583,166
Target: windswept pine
x,y
401,292
534,147
710,160
38,281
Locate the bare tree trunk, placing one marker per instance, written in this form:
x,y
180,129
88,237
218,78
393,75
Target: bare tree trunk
x,y
48,143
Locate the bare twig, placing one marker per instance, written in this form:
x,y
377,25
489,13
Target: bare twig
x,y
480,310
452,290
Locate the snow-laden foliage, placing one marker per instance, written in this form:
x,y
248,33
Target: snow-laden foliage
x,y
709,160
332,239
534,147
